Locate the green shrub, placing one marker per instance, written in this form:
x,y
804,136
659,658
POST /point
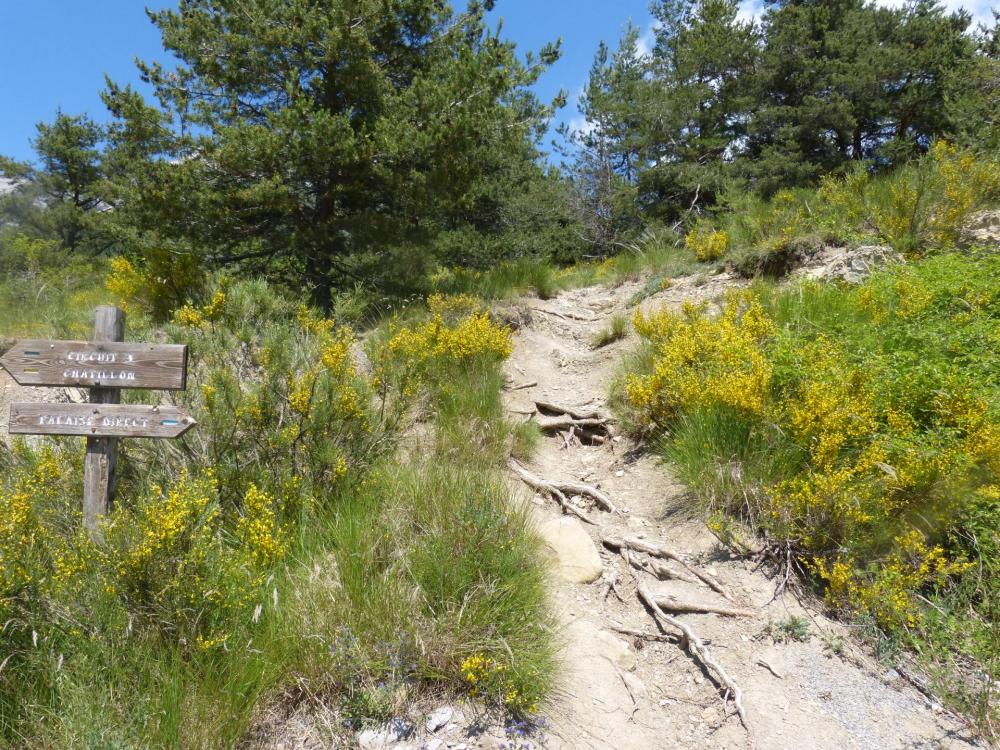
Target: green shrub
x,y
279,400
918,207
46,291
925,203
792,628
857,426
283,546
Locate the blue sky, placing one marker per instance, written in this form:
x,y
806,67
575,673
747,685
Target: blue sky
x,y
55,53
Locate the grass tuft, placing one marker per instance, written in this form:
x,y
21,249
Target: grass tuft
x,y
616,330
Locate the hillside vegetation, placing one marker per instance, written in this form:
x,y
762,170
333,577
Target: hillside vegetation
x,y
288,550
854,429
328,201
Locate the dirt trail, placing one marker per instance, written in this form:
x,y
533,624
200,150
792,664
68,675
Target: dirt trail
x,y
626,693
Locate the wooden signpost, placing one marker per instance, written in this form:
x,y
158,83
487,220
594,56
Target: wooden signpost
x,y
92,364
87,420
104,365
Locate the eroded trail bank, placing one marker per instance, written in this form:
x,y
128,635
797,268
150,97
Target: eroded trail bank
x,y
627,682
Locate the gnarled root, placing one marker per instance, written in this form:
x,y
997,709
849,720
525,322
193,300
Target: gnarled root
x,y
547,407
559,490
673,604
658,550
698,650
547,488
590,425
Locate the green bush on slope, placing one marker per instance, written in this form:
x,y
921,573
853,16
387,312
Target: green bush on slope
x,y
918,207
282,549
858,428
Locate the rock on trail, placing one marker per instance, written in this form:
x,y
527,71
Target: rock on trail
x,y
574,552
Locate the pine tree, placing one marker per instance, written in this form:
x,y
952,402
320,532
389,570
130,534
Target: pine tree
x,y
605,148
58,197
698,105
934,55
844,80
319,140
975,100
804,126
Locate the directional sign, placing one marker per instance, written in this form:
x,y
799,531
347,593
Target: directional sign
x,y
97,364
99,420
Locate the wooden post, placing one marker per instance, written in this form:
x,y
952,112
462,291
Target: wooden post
x,y
102,452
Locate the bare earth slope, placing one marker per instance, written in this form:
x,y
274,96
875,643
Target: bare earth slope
x,y
623,691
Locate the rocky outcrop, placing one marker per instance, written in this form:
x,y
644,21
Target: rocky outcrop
x,y
983,229
849,264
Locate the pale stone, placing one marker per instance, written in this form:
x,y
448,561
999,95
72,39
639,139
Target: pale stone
x,y
389,733
576,553
635,686
439,717
615,650
636,522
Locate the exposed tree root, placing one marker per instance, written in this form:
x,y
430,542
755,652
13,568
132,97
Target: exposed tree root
x,y
575,488
611,586
547,488
643,635
762,662
696,647
564,488
522,386
673,604
568,438
567,315
557,424
658,550
593,437
547,407
661,571
590,427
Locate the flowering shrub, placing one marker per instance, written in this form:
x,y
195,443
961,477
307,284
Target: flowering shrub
x,y
236,554
155,284
194,317
281,405
928,202
454,307
706,243
458,335
917,208
31,563
700,360
867,447
492,680
173,563
175,570
471,337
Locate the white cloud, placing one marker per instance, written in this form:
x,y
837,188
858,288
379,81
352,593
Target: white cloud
x,y
581,125
647,39
980,9
750,9
578,123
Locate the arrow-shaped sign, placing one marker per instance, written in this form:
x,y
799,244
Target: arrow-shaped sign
x,y
97,364
99,420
